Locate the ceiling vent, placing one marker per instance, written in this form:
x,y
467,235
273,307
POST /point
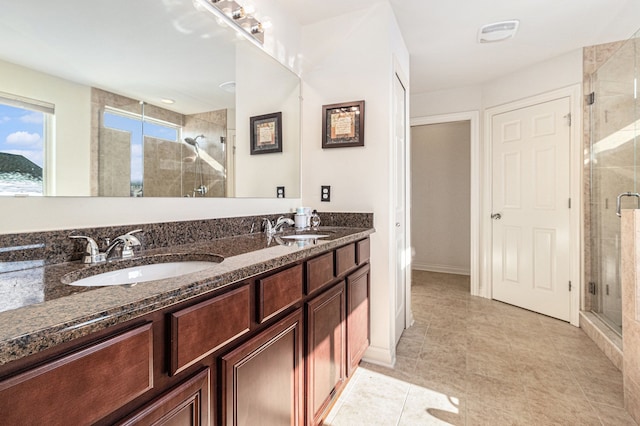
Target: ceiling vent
x,y
498,31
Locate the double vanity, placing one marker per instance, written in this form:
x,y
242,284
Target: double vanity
x,y
265,330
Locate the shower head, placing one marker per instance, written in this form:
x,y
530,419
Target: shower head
x,y
193,141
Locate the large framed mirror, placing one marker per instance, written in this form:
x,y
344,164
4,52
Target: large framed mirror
x,y
144,98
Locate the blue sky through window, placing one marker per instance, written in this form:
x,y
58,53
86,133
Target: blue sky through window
x,y
22,133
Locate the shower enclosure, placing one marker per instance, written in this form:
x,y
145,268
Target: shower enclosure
x,y
613,175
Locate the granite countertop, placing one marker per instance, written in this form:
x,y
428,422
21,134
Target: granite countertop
x,y
38,311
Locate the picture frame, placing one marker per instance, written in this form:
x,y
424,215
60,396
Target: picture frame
x,y
343,125
266,133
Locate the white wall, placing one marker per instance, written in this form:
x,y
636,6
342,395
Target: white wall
x,y
259,93
440,197
72,128
340,66
561,71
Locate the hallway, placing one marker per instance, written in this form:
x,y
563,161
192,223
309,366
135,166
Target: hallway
x,y
473,361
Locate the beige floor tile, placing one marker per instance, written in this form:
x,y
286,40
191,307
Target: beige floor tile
x,y
601,391
479,414
474,361
613,416
548,408
450,382
409,348
442,356
425,406
415,332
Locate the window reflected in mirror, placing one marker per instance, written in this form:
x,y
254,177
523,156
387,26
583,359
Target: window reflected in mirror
x,y
22,145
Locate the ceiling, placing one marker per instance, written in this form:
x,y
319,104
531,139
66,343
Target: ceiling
x,y
441,35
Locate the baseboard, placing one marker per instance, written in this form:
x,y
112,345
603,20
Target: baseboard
x,y
445,269
379,356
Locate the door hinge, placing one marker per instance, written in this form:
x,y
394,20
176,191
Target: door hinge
x,y
606,289
569,202
592,288
568,117
591,98
569,285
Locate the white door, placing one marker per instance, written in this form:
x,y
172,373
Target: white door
x,y
399,113
530,207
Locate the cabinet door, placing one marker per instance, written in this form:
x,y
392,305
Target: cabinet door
x,y
357,316
262,381
326,346
187,404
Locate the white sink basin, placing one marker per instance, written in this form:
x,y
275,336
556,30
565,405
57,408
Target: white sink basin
x,y
303,237
142,273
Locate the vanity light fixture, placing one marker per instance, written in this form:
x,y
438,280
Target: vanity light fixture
x,y
237,16
498,31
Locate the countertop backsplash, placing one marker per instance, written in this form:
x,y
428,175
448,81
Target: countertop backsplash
x,y
33,249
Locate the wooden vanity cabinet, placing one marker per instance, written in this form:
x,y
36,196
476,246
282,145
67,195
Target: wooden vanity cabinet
x,y
357,317
262,381
83,386
326,350
275,349
188,404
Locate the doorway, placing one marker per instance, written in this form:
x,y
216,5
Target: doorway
x,y
440,197
474,186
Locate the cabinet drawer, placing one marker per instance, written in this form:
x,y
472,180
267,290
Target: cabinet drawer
x,y
84,386
278,292
363,250
345,259
319,272
199,330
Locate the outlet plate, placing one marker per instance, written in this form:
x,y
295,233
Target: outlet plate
x,y
280,191
325,193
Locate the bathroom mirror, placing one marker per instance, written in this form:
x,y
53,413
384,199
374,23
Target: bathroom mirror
x,y
149,98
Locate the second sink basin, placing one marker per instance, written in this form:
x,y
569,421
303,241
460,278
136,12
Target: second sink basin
x,y
303,236
143,273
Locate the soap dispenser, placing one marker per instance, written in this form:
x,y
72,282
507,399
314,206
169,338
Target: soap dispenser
x,y
315,220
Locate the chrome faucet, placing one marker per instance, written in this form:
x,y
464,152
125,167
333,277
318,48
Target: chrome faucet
x,y
128,242
271,229
93,254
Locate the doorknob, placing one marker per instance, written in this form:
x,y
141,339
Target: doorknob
x,y
397,224
496,216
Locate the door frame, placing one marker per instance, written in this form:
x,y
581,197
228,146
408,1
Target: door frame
x,y
576,254
475,184
405,177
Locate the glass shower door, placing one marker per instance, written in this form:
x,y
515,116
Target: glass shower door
x,y
613,171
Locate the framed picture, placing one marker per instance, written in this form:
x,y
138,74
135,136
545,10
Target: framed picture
x,y
266,133
343,125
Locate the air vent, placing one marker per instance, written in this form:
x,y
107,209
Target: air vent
x,y
498,31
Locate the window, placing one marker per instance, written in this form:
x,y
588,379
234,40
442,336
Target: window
x,y
23,143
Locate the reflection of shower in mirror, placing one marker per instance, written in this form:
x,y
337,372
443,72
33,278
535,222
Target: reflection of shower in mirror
x,y
198,190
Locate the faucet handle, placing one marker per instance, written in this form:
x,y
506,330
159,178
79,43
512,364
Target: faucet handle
x,y
92,252
268,227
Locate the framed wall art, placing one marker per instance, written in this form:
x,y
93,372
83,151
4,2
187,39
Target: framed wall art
x,y
266,133
343,125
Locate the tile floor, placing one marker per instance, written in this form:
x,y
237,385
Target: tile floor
x,y
473,361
